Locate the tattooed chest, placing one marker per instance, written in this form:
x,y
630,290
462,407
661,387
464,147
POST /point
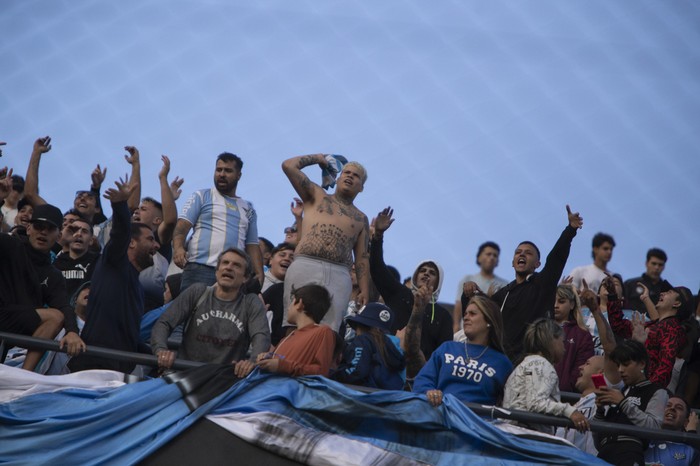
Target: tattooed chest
x,y
328,242
329,206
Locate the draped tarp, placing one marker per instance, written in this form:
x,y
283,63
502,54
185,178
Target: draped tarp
x,y
311,420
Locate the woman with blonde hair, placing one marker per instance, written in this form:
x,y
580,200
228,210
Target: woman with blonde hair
x,y
534,386
474,370
578,342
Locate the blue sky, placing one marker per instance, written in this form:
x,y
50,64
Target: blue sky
x,y
476,120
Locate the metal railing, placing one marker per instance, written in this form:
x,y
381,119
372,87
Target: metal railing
x,y
8,340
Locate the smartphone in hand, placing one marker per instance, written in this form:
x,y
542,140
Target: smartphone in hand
x,y
598,380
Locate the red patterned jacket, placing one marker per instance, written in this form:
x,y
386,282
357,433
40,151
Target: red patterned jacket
x,y
665,340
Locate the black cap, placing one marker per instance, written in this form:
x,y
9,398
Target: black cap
x,y
49,214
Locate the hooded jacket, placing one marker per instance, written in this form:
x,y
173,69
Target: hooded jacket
x,y
364,365
437,321
29,281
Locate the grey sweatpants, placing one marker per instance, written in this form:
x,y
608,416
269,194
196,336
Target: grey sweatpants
x,y
307,270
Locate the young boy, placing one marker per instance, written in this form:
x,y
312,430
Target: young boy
x,y
640,403
308,350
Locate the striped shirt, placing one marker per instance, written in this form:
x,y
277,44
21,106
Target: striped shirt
x,y
219,222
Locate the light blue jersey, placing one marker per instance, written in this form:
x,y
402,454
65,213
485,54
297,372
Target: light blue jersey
x,y
219,222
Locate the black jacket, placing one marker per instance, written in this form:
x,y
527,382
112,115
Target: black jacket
x,y
28,281
525,302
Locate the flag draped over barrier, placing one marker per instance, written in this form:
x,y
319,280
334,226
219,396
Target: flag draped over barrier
x,y
311,420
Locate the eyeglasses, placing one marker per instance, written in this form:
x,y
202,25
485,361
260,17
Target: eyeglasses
x,y
290,230
87,193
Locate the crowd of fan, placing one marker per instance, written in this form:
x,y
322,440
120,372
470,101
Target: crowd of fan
x,y
202,285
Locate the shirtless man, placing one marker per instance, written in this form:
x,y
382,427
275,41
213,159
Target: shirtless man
x,y
333,229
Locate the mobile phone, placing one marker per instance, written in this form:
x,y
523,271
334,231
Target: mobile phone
x,y
598,380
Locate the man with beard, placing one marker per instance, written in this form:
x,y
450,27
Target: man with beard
x,y
116,299
220,220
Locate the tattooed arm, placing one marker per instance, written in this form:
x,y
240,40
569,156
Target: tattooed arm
x,y
301,183
362,263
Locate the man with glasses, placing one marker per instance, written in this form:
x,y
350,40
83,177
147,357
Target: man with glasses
x,y
78,262
291,235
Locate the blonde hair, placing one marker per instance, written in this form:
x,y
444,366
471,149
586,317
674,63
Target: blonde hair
x,y
539,337
358,165
569,293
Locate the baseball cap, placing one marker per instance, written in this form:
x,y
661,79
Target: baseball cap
x,y
374,315
49,214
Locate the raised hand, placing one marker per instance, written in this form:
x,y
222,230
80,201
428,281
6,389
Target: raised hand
x,y
470,289
165,169
123,191
383,220
421,297
588,297
575,219
98,176
568,280
692,422
133,157
639,332
175,187
645,291
297,207
5,182
42,145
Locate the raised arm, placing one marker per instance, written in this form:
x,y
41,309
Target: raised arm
x,y
362,264
556,259
607,338
297,209
167,199
5,183
134,159
31,181
120,234
415,359
648,303
301,183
